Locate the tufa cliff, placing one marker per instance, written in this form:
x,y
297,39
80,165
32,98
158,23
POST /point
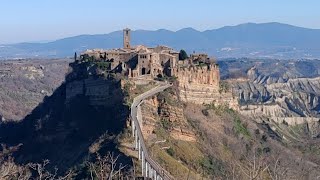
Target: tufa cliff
x,y
201,85
65,127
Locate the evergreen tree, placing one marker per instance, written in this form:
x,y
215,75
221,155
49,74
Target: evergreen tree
x,y
105,56
183,55
75,56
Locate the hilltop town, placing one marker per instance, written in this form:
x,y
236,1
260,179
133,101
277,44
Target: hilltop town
x,y
154,62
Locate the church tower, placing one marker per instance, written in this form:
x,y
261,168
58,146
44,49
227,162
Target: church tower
x,y
126,38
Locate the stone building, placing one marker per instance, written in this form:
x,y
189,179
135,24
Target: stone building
x,y
126,38
134,61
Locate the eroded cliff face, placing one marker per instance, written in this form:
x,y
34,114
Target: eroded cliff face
x,y
284,99
166,110
100,92
201,85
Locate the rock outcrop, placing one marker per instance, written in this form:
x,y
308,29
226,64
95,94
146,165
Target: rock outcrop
x,y
201,85
165,109
100,92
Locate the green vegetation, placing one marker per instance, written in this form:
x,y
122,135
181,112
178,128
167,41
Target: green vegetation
x,y
166,124
202,64
103,65
168,97
177,169
240,128
126,92
183,55
218,109
87,58
181,158
131,91
213,166
171,152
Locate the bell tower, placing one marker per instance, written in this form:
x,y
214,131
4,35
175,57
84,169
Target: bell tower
x,y
126,38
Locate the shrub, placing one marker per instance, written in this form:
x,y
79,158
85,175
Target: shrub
x,y
205,112
240,128
213,166
171,152
104,65
166,124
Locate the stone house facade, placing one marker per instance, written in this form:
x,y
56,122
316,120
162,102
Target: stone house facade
x,y
157,62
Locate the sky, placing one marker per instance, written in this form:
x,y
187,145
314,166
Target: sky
x,y
38,20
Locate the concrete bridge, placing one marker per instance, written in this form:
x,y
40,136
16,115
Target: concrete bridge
x,y
150,168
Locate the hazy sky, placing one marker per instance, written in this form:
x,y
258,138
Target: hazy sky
x,y
34,20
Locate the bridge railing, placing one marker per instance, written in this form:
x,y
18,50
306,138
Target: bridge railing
x,y
149,167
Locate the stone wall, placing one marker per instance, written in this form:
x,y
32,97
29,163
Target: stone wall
x,y
144,63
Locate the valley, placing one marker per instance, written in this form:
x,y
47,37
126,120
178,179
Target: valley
x,y
258,115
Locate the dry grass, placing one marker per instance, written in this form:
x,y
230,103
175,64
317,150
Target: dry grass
x,y
181,158
233,147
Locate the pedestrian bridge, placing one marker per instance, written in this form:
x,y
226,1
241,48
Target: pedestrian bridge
x,y
150,168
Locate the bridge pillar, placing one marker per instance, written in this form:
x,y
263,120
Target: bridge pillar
x,y
149,171
155,175
142,163
147,166
139,149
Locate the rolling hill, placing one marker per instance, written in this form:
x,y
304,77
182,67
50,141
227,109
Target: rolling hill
x,y
267,40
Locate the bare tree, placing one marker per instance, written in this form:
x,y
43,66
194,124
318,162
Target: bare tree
x,y
8,169
106,168
253,167
277,171
43,174
39,168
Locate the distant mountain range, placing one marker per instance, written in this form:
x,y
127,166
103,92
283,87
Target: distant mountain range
x,y
267,40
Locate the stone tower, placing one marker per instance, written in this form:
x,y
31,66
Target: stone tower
x,y
126,38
